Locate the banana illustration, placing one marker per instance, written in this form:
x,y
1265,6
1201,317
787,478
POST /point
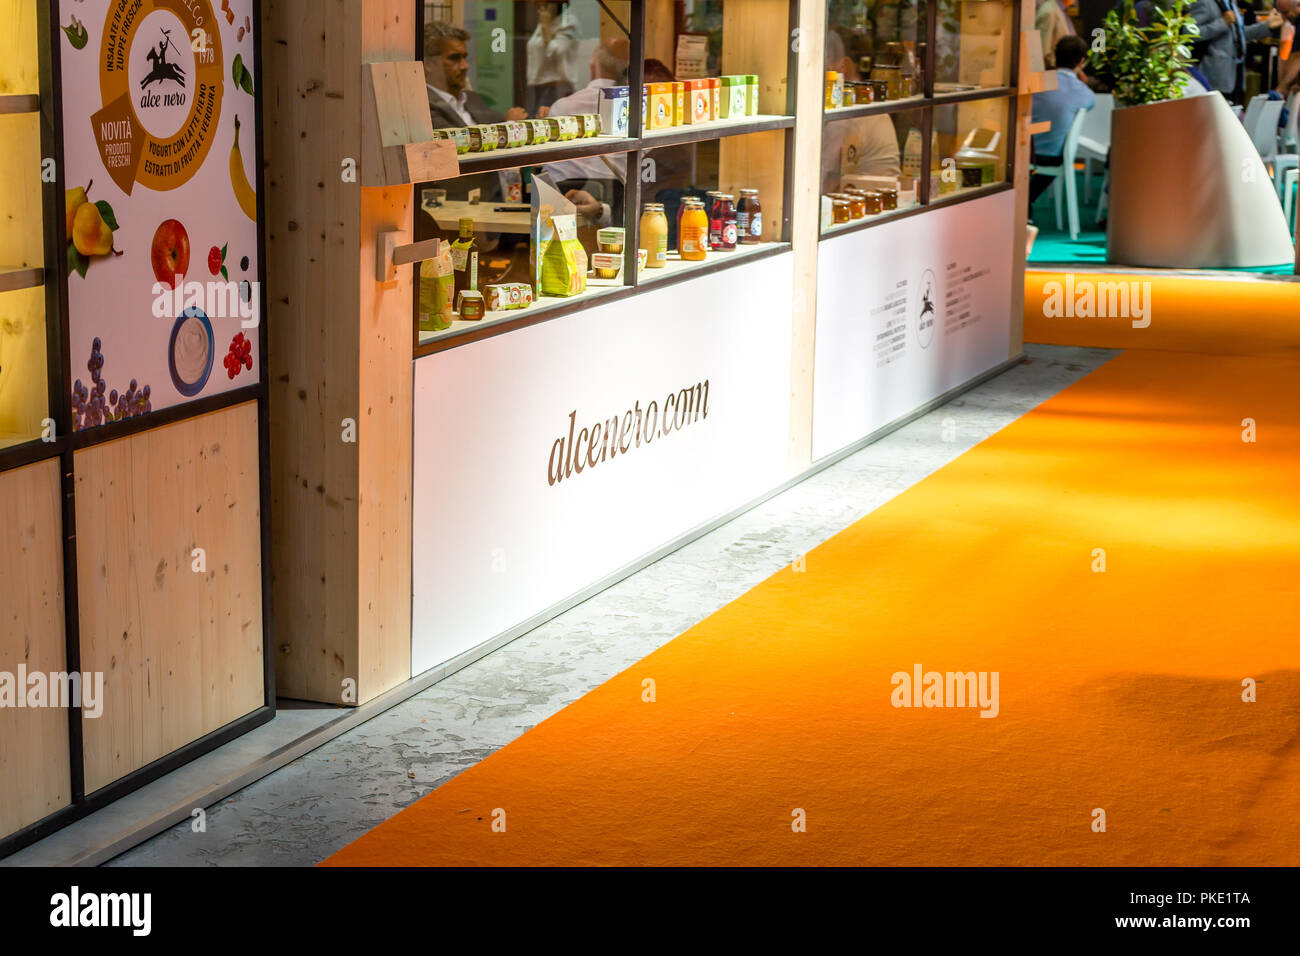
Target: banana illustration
x,y
243,191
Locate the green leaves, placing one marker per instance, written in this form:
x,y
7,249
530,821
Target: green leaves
x,y
76,33
76,261
106,213
240,74
1147,64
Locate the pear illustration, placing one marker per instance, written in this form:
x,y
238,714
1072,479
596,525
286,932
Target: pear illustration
x,y
90,234
74,199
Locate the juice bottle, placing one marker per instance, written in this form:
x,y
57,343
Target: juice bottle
x,y
693,240
652,236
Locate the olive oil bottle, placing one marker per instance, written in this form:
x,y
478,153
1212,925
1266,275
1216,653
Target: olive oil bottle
x,y
464,259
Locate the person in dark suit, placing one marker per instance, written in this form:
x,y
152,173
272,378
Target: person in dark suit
x,y
451,102
1223,38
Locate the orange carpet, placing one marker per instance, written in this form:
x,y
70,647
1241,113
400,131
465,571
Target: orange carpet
x,y
1234,316
1119,690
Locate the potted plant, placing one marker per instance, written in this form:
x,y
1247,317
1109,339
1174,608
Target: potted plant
x,y
1187,187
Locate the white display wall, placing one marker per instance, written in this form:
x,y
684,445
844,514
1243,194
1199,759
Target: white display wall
x,y
502,531
907,311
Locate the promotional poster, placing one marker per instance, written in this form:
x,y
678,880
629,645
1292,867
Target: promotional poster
x,y
160,145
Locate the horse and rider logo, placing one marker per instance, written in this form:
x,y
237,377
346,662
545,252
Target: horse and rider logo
x,y
160,70
927,309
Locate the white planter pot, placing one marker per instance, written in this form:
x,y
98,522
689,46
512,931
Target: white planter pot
x,y
1189,191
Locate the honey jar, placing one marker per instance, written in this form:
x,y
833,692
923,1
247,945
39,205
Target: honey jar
x,y
840,210
874,204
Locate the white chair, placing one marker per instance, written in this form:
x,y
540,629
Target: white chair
x,y
1094,140
1288,200
1262,115
1064,175
1287,159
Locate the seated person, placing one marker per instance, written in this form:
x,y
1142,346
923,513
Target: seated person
x,y
594,184
453,104
1058,107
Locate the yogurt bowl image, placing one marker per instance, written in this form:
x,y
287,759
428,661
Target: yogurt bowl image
x,y
190,351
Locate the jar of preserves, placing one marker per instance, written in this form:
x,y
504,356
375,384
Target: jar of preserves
x,y
749,218
888,199
840,210
693,237
874,204
857,205
652,236
723,231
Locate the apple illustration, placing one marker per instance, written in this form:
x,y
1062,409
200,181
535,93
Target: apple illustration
x,y
170,252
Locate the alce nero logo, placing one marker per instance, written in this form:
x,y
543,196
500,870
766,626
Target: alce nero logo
x,y
161,83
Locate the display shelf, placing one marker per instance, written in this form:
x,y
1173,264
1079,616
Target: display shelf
x,y
899,105
20,103
853,225
677,268
962,194
979,93
698,132
20,277
546,307
543,153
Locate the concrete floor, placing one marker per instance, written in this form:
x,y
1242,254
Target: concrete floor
x,y
310,808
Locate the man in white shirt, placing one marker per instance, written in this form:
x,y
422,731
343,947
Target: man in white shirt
x,y
596,182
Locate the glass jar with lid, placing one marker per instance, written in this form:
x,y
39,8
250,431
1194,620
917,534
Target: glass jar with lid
x,y
693,231
652,236
749,218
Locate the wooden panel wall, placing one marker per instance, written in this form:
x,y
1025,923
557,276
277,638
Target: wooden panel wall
x,y
34,777
386,379
19,68
180,649
805,227
23,388
340,349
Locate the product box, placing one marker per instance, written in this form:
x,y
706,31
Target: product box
x,y
483,138
607,264
508,296
715,97
516,133
699,102
459,135
564,263
734,98
692,57
614,102
539,131
546,202
751,83
661,107
679,104
563,128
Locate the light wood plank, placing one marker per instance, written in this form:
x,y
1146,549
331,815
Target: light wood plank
x,y
805,226
311,55
21,233
341,509
180,644
23,369
19,63
35,779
